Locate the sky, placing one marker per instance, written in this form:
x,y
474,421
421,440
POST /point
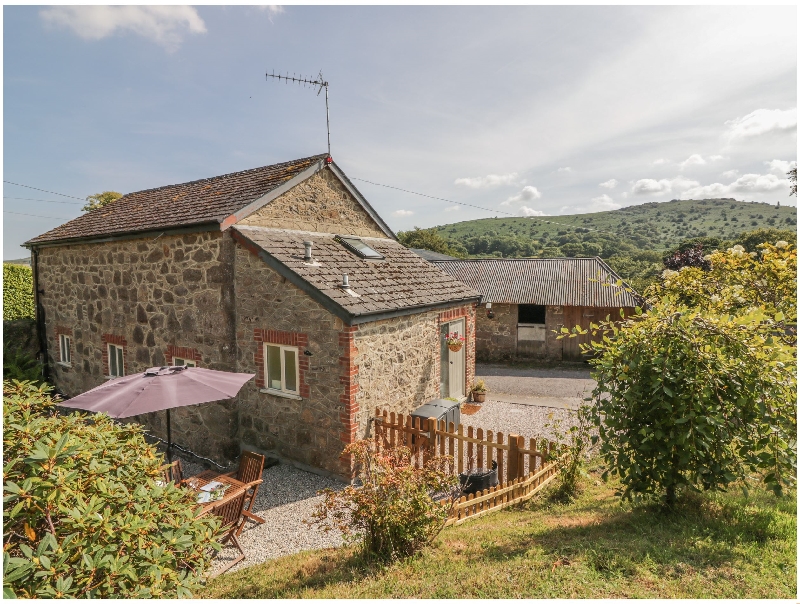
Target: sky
x,y
524,111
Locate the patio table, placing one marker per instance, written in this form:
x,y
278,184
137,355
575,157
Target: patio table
x,y
235,488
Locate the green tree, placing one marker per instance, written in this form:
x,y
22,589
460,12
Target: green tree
x,y
750,240
100,200
700,391
84,511
430,239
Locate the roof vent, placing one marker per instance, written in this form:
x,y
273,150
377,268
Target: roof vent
x,y
345,282
308,245
346,287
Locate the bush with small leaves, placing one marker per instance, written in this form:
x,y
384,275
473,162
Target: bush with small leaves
x,y
393,513
17,292
85,513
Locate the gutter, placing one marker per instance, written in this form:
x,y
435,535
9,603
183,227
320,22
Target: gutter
x,y
200,227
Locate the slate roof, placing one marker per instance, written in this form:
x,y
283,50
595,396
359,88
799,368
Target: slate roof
x,y
544,281
191,203
400,282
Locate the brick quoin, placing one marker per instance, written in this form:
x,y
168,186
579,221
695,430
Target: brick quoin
x,y
190,354
348,371
110,338
285,338
59,331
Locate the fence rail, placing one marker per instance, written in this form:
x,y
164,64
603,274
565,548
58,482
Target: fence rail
x,y
521,471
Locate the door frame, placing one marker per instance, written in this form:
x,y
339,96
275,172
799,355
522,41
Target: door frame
x,y
445,382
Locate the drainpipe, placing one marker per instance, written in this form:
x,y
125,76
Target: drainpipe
x,y
41,332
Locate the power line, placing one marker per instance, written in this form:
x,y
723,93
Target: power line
x,y
42,190
36,215
461,203
47,200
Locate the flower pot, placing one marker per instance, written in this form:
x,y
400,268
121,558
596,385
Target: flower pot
x,y
478,397
456,346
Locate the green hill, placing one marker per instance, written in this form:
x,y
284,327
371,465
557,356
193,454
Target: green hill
x,y
650,226
632,240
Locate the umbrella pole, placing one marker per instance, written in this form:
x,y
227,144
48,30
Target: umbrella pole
x,y
169,439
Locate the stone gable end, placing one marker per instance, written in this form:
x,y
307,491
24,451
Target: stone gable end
x,y
321,204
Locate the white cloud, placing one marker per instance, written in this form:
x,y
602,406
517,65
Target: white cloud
x,y
490,180
528,193
780,166
566,169
272,9
165,25
660,161
526,211
748,183
402,213
452,208
604,202
762,121
730,173
693,160
609,184
716,157
650,186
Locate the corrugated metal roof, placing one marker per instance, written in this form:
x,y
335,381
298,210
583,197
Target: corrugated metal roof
x,y
546,281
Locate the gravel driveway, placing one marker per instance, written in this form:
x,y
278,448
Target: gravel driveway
x,y
555,382
287,496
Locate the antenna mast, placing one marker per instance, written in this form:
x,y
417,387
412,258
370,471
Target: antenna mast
x,y
320,81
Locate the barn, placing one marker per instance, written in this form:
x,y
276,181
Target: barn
x,y
526,301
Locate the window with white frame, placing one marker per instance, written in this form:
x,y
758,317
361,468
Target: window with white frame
x,y
116,364
178,362
66,348
281,368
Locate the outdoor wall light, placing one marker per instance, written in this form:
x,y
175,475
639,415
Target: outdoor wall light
x,y
308,353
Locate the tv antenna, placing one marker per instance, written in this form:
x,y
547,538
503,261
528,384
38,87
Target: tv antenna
x,y
320,81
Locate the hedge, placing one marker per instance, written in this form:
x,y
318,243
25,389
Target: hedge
x,y
17,292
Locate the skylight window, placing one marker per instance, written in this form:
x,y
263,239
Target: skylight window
x,y
357,246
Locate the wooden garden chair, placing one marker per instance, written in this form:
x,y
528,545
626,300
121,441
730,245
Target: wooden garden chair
x,y
173,472
251,465
232,519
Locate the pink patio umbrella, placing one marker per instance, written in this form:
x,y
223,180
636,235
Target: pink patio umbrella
x,y
157,389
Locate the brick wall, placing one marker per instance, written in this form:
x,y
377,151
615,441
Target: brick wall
x,y
182,352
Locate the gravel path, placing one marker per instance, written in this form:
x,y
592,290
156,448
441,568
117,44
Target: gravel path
x,y
526,420
287,496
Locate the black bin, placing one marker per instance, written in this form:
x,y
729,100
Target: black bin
x,y
440,409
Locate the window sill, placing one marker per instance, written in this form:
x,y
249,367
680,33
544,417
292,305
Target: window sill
x,y
281,393
63,364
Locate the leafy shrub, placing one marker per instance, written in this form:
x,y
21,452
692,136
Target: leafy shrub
x,y
574,448
701,391
83,515
17,292
21,366
693,256
392,514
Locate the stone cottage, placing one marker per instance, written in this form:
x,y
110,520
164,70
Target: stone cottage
x,y
528,300
284,271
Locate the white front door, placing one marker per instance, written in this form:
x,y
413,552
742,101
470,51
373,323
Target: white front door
x,y
453,364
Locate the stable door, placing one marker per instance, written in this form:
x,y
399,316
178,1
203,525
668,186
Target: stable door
x,y
453,363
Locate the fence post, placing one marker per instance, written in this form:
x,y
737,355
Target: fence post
x,y
513,457
431,437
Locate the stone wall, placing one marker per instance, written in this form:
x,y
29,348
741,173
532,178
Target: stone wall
x,y
174,291
497,337
310,429
321,204
397,362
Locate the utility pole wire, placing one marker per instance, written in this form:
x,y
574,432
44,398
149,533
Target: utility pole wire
x,y
47,200
569,226
35,215
43,190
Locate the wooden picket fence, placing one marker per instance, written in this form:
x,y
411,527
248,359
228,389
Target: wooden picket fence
x,y
522,472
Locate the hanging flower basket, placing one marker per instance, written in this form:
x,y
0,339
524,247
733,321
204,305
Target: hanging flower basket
x,y
455,341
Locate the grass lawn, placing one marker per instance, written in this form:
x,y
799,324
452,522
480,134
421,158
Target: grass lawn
x,y
714,546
